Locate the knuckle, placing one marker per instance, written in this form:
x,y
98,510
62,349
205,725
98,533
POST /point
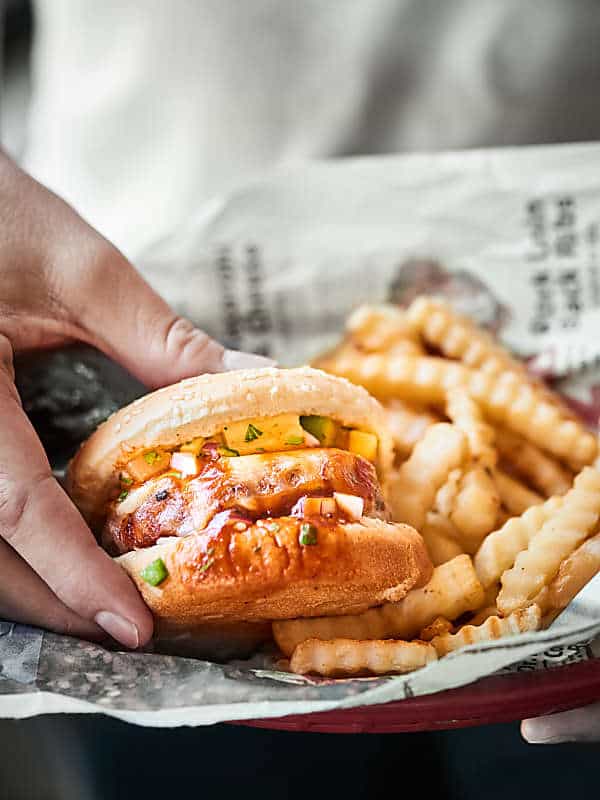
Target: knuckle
x,y
182,337
15,497
6,357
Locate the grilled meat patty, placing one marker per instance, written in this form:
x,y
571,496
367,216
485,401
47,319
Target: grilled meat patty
x,y
261,485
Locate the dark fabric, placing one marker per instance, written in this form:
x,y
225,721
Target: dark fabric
x,y
94,757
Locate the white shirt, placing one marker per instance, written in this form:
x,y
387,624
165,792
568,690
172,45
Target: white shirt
x,y
143,110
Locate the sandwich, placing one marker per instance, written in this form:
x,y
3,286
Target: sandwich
x,y
240,498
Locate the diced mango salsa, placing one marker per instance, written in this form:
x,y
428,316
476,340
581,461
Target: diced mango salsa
x,y
268,434
322,428
194,447
148,464
363,444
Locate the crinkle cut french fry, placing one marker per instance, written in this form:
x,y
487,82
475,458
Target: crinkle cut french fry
x,y
527,619
406,347
507,398
573,574
514,496
560,535
446,494
464,412
440,538
485,613
452,590
457,336
438,627
414,379
476,507
413,488
536,468
408,425
377,328
500,548
339,657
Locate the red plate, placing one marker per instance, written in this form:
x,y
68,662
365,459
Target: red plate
x,y
501,698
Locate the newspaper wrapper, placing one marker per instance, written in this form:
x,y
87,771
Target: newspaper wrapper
x,y
510,237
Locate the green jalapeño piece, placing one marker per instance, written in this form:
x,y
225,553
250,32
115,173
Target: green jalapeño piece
x,y
227,451
155,573
322,428
252,433
294,440
308,534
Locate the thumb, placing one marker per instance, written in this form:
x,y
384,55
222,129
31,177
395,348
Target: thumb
x,y
576,725
125,318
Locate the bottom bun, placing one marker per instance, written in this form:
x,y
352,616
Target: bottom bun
x,y
262,571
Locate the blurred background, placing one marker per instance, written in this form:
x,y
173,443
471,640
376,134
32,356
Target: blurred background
x,y
540,86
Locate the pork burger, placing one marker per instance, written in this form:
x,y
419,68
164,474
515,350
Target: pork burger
x,y
249,496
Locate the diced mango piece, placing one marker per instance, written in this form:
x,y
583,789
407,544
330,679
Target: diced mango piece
x,y
363,444
194,447
322,428
148,464
267,434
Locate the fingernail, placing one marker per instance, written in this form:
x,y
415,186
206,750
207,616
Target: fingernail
x,y
236,359
537,732
119,628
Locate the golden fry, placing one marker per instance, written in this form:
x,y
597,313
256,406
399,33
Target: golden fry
x,y
536,468
453,589
485,613
527,619
440,538
446,494
476,507
515,497
458,337
438,627
500,548
339,657
413,488
507,398
464,412
408,425
573,574
377,328
560,535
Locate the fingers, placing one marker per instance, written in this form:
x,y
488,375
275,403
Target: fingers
x,y
24,597
578,725
132,324
40,523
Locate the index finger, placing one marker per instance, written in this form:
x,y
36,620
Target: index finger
x,y
39,521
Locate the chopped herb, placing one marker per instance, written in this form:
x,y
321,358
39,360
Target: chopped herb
x,y
151,457
123,495
125,480
295,440
308,534
273,527
171,474
260,450
155,573
207,564
252,433
227,451
162,495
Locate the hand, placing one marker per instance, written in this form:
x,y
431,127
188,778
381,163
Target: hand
x,y
60,281
578,725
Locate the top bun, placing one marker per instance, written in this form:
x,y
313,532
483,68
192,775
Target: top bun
x,y
201,407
